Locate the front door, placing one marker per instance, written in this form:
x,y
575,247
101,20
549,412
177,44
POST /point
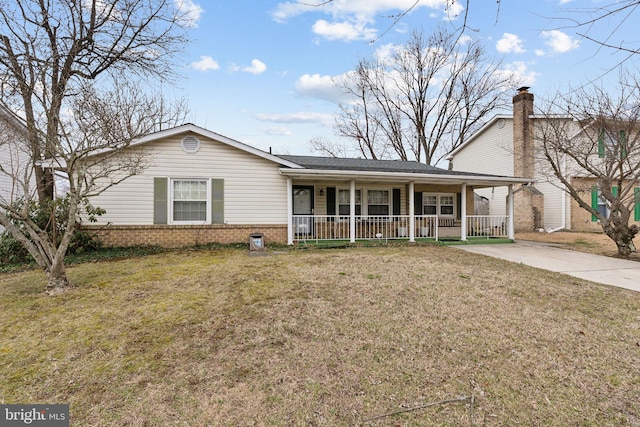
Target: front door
x,y
303,207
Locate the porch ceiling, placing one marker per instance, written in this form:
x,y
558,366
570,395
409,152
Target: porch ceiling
x,y
453,178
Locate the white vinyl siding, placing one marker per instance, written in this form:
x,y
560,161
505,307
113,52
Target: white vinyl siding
x,y
490,152
254,190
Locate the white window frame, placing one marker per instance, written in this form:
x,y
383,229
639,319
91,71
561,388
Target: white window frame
x,y
207,219
439,203
348,191
389,202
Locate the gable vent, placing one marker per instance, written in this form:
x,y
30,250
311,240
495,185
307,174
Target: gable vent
x,y
190,144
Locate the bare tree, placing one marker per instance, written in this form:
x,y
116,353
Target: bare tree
x,y
75,71
47,48
423,100
596,154
614,16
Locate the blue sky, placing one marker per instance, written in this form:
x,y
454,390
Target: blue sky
x,y
261,71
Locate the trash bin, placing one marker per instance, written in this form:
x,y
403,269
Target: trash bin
x,y
256,242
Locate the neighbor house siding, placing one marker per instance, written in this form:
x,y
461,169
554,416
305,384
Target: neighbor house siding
x,y
16,164
553,205
490,152
254,190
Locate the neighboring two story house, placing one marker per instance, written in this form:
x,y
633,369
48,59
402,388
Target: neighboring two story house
x,y
507,145
15,161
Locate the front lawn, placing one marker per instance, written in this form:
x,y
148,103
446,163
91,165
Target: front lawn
x,y
322,337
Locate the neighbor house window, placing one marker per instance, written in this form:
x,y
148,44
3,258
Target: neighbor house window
x,y
439,204
599,203
189,198
611,142
344,202
378,202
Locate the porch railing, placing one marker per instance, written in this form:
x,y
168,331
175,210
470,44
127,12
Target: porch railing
x,y
337,227
487,226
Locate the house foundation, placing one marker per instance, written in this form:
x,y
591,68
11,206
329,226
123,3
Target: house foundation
x,y
176,236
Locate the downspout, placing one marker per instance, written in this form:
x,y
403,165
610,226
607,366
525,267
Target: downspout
x,y
511,229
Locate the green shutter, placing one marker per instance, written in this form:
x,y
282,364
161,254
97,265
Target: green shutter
x,y
623,144
601,143
396,201
160,196
217,201
614,191
636,208
594,201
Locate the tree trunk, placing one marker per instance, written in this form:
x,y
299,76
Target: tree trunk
x,y
58,281
623,236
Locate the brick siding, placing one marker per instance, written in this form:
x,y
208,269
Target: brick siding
x,y
175,236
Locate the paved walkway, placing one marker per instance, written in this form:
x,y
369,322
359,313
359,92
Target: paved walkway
x,y
547,256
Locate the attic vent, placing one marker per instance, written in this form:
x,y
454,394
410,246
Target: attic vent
x,y
190,144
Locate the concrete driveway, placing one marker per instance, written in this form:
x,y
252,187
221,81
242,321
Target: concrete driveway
x,y
547,256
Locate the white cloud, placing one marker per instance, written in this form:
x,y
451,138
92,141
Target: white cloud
x,y
277,131
256,67
189,13
559,41
206,63
320,87
520,72
540,52
343,30
296,118
510,43
356,16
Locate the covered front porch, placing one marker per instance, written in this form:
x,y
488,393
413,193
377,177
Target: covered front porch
x,y
359,199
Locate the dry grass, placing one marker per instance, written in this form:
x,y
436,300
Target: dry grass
x,y
322,338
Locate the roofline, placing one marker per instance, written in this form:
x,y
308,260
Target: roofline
x,y
496,118
190,127
406,176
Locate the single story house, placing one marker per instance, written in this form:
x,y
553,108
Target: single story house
x,y
202,187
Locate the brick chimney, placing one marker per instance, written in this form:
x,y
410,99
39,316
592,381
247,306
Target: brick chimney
x,y
523,143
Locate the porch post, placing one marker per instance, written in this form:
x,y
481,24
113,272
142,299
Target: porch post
x,y
510,207
289,211
412,216
463,213
352,211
